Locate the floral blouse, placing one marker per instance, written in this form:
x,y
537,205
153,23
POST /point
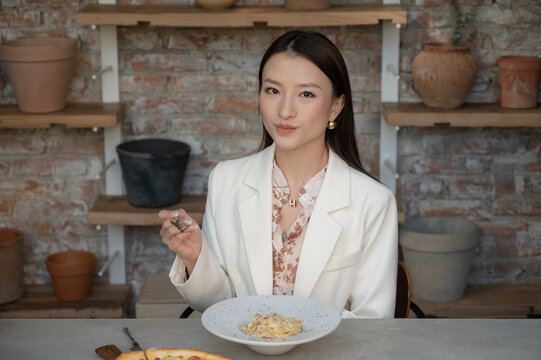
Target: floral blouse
x,y
287,245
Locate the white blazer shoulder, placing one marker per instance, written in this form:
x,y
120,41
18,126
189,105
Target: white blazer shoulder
x,y
349,254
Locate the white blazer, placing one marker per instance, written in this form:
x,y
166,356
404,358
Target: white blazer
x,y
349,254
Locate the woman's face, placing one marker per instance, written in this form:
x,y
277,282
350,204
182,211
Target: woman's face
x,y
296,102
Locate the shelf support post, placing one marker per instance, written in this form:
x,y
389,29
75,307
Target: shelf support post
x,y
389,93
112,137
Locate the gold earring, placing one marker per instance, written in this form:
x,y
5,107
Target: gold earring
x,y
331,125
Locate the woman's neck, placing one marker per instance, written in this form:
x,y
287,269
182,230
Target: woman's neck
x,y
300,165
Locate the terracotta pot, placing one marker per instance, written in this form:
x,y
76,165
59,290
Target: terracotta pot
x,y
519,81
39,70
215,4
444,76
307,4
71,272
11,265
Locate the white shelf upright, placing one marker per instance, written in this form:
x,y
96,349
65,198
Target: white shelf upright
x,y
390,75
112,137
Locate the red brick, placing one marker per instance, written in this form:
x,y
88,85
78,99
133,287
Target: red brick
x,y
203,41
66,3
57,18
365,83
20,18
5,206
415,38
4,167
258,42
427,19
494,268
358,105
35,166
169,62
210,125
499,246
516,39
444,207
91,144
136,125
69,167
233,105
206,83
502,226
38,207
360,61
234,62
471,187
23,145
347,40
420,186
143,83
483,145
232,146
166,105
517,206
132,39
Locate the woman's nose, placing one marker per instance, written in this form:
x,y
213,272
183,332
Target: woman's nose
x,y
287,108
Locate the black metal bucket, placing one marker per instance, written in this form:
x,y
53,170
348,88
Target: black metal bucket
x,y
153,171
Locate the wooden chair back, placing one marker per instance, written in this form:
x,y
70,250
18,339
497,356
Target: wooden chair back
x,y
403,292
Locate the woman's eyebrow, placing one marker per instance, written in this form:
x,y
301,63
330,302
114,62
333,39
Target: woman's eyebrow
x,y
299,85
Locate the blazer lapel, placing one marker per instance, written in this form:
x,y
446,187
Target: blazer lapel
x,y
255,219
323,231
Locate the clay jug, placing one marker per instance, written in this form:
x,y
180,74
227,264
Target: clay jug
x,y
11,265
444,76
40,71
71,272
519,81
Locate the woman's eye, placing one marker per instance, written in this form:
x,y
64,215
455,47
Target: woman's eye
x,y
271,90
307,94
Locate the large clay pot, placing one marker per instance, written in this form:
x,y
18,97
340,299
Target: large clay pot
x,y
307,4
215,4
71,272
40,71
519,81
11,265
444,76
438,252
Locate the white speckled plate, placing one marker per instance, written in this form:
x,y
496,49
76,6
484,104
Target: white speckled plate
x,y
225,319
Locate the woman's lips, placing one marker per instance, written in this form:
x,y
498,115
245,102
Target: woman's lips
x,y
285,129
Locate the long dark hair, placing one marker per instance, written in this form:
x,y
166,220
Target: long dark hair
x,y
318,49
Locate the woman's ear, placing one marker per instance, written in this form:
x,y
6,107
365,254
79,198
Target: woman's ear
x,y
337,106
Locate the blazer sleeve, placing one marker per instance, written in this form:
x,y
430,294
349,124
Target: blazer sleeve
x,y
374,292
208,282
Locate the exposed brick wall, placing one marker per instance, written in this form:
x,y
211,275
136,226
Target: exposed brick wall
x,y
199,86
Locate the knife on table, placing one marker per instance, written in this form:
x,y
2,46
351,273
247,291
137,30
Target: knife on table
x,y
134,345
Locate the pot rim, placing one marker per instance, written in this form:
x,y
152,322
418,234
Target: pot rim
x,y
38,49
520,62
444,46
18,234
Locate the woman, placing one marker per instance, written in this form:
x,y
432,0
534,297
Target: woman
x,y
301,216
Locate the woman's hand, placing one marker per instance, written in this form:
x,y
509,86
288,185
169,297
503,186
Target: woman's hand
x,y
186,243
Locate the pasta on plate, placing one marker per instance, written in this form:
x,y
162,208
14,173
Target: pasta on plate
x,y
272,326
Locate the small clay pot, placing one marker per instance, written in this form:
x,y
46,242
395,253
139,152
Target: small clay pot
x,y
71,272
519,81
11,265
40,71
307,4
215,4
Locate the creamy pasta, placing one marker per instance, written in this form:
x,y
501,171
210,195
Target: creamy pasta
x,y
272,326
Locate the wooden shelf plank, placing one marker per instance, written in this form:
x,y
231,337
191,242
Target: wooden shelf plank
x,y
38,302
75,115
469,115
115,210
489,301
273,16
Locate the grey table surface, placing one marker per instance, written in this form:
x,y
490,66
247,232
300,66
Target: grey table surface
x,y
354,339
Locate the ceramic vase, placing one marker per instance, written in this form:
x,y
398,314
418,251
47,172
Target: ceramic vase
x,y
444,76
519,81
40,71
11,265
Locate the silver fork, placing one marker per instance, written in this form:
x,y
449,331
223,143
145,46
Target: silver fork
x,y
176,223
